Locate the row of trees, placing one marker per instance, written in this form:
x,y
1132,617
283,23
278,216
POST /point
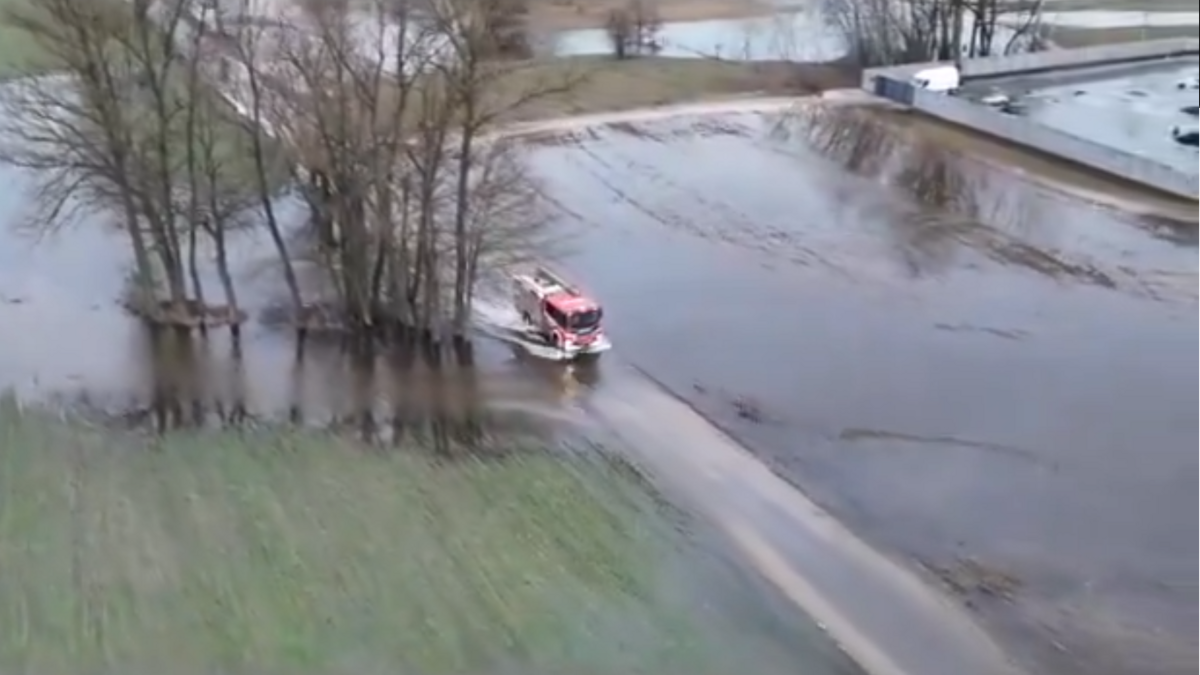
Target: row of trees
x,y
889,32
877,32
633,29
188,122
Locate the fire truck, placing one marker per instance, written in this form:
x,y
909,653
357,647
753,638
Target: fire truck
x,y
557,313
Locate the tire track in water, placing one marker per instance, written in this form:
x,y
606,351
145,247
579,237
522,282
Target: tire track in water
x,y
746,232
669,219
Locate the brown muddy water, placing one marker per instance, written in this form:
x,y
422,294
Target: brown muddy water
x,y
65,341
988,379
991,381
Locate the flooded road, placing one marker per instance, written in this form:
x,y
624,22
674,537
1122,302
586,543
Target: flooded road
x,y
991,380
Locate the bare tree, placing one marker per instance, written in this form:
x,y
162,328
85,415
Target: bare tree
x,y
388,117
131,126
70,130
505,28
886,32
619,27
1019,20
98,134
391,115
244,65
490,196
633,29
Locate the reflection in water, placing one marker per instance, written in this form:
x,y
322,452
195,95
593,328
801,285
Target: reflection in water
x,y
1181,233
792,35
957,205
570,378
945,198
991,354
380,396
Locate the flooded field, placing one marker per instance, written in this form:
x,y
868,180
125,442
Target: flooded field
x,y
794,33
66,340
1131,108
991,381
975,371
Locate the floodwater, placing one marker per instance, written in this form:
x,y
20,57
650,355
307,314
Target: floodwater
x,y
64,339
990,380
1131,108
794,33
64,334
987,379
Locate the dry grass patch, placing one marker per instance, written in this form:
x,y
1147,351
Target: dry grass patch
x,y
602,84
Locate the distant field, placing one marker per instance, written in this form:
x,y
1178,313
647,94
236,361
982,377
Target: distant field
x,y
283,552
1086,37
1121,5
18,53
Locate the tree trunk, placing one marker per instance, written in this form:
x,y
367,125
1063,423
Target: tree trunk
x,y
462,208
194,267
265,197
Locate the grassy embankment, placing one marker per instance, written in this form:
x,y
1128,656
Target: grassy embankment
x,y
290,552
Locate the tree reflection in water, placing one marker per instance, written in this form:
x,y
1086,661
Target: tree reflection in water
x,y
951,204
383,397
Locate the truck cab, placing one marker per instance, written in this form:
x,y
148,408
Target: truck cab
x,y
559,313
940,79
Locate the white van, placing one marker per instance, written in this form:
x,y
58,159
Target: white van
x,y
942,79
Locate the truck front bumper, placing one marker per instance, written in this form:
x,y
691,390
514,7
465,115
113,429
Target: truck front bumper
x,y
597,346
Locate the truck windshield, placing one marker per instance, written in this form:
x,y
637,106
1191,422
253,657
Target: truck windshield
x,y
586,320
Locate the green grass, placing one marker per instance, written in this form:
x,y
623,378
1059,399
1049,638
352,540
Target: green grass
x,y
287,552
19,53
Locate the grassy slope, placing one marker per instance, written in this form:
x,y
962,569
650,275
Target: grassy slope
x,y
292,553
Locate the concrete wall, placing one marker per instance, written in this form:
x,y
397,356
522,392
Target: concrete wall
x,y
1050,60
1021,131
893,84
1085,57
